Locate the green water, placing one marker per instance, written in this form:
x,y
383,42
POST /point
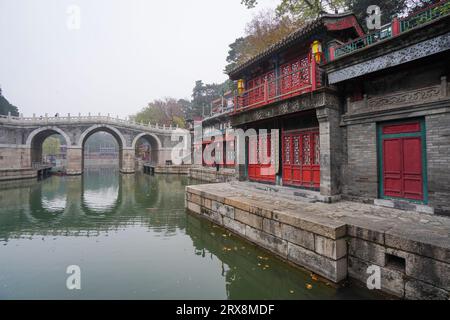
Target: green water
x,y
132,239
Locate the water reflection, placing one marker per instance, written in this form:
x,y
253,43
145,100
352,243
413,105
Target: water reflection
x,y
132,239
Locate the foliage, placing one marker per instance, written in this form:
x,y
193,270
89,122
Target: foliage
x,y
6,107
204,94
168,111
51,146
265,29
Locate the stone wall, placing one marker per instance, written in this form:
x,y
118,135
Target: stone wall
x,y
337,241
319,248
211,175
415,271
15,157
15,174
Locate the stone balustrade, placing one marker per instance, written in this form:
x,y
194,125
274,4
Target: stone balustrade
x,y
104,119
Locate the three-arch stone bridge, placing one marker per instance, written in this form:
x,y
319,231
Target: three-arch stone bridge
x,y
21,140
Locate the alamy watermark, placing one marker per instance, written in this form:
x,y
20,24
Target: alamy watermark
x,y
74,280
73,21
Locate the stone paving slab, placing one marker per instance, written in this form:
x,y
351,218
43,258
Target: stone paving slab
x,y
423,234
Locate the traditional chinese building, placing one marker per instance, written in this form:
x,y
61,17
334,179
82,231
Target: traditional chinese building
x,y
360,116
285,88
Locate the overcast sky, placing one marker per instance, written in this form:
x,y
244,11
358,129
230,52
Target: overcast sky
x,y
124,54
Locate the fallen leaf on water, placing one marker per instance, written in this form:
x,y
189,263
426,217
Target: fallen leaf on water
x,y
259,264
291,291
308,286
266,266
314,277
228,249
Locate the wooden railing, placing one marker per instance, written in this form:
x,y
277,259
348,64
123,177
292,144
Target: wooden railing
x,y
394,28
297,82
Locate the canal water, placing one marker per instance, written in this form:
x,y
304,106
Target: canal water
x,y
132,239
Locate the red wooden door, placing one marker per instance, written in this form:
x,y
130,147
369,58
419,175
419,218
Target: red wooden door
x,y
259,152
301,155
402,175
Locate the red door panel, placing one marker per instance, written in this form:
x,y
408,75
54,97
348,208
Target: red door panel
x,y
259,168
301,157
402,162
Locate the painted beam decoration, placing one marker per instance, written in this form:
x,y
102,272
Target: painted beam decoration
x,y
411,53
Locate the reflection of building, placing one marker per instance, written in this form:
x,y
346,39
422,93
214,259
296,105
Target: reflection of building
x,y
103,151
56,159
143,151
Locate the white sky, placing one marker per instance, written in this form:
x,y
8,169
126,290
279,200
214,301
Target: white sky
x,y
126,52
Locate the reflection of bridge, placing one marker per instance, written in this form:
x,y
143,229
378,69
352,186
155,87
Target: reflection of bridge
x,y
90,205
21,139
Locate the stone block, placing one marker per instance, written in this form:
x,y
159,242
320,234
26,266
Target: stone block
x,y
193,207
392,281
248,219
428,270
234,225
267,241
212,215
420,245
315,224
334,270
194,198
223,209
273,227
418,290
207,203
368,251
298,236
335,249
368,234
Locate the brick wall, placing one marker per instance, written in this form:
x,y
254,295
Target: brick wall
x,y
359,172
438,161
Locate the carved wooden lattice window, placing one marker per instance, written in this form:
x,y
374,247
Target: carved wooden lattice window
x,y
306,149
297,159
287,149
304,65
316,148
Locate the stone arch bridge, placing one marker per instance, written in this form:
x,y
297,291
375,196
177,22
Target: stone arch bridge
x,y
21,139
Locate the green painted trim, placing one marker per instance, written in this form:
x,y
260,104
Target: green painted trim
x,y
401,135
381,136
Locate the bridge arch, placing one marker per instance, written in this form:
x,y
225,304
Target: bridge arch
x,y
155,144
102,127
37,137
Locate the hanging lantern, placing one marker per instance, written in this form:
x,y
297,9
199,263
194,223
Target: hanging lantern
x,y
317,50
240,86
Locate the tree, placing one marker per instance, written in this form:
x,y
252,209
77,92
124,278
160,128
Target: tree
x,y
204,94
6,107
51,146
167,112
311,9
265,29
389,9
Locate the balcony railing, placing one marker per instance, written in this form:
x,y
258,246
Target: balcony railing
x,y
223,105
297,82
397,26
371,38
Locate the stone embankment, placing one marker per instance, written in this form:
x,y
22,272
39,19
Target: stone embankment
x,y
337,240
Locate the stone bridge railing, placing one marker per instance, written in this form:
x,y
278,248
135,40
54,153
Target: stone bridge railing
x,y
69,119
